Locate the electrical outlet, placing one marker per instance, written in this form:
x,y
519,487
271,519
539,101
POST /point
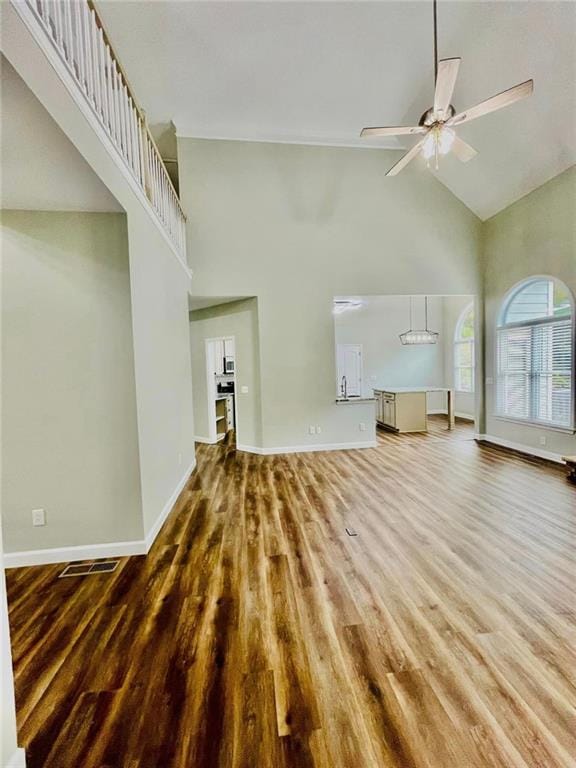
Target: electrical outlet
x,y
38,517
312,429
244,389
362,426
318,430
542,440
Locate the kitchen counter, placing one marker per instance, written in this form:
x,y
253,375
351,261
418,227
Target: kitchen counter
x,y
404,409
354,400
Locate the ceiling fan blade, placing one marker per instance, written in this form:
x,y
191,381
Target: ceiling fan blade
x,y
499,101
445,82
405,159
462,150
393,130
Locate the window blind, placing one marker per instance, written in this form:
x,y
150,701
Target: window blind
x,y
535,372
464,365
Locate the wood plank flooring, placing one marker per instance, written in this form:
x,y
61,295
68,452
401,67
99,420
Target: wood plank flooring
x,y
258,634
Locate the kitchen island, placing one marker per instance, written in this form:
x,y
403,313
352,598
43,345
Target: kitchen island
x,y
403,409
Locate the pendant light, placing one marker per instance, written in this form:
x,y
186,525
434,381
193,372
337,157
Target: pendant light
x,y
419,337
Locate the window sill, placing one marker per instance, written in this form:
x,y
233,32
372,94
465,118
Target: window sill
x,y
536,424
464,391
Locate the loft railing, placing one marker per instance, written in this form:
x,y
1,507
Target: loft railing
x,y
75,30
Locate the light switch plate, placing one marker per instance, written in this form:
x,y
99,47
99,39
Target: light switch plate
x,y
244,389
38,517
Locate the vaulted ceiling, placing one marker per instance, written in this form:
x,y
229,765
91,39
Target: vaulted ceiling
x,y
317,72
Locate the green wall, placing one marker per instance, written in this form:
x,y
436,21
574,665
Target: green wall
x,y
69,438
295,226
534,236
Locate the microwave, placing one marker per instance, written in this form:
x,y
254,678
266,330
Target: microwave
x,y
228,365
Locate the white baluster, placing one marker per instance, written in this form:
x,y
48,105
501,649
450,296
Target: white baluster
x,y
126,100
87,52
68,37
57,17
80,63
135,141
111,91
43,11
140,129
116,82
95,63
102,76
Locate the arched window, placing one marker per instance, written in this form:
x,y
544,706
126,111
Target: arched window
x,y
535,354
464,351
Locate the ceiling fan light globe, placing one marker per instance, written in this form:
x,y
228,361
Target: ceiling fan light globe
x,y
446,140
429,146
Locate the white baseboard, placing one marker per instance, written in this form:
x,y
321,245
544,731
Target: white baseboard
x,y
308,448
155,530
71,554
95,551
18,759
198,439
527,449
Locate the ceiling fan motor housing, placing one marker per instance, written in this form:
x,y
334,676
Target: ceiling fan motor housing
x,y
430,117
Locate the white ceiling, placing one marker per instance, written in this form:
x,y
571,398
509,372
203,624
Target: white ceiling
x,y
41,169
320,71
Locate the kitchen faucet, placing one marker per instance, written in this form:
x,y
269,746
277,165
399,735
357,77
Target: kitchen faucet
x,y
344,388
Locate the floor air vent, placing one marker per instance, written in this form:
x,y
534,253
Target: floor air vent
x,y
86,569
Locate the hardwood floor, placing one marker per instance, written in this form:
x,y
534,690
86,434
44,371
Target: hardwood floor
x,y
258,634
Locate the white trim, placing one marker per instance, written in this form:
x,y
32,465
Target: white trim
x,y
155,530
18,759
538,424
54,59
307,141
250,449
94,551
521,448
70,554
206,440
307,448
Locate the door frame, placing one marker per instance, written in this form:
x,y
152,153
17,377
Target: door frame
x,y
211,387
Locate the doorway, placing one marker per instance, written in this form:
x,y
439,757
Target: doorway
x,y
221,387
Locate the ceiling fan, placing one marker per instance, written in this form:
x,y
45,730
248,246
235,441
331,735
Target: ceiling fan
x,y
437,124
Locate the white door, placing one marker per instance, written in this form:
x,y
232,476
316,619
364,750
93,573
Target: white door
x,y
349,362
